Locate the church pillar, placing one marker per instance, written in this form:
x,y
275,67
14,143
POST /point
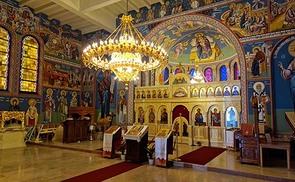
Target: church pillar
x,y
130,106
152,78
170,118
147,80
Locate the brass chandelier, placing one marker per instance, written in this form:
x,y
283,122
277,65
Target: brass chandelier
x,y
125,52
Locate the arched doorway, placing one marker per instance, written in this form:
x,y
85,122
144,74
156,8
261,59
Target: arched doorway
x,y
180,123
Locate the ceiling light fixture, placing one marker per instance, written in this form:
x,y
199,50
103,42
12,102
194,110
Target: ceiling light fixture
x,y
125,52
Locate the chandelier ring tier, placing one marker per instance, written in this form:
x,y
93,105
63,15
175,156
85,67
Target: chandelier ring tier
x,y
125,52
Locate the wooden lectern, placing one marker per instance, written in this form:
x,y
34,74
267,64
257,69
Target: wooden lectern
x,y
111,141
136,142
163,147
75,130
82,112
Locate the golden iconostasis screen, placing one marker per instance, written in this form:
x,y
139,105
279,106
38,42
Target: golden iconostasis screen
x,y
29,65
4,57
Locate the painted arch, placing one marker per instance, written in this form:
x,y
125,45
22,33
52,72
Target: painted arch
x,y
180,30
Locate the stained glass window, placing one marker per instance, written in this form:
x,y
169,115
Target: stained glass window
x,y
236,71
192,73
4,57
166,76
29,64
223,73
208,75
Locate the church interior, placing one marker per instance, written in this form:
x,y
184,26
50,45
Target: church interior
x,y
82,82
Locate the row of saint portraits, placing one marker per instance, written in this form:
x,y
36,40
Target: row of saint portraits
x,y
57,101
31,114
196,92
230,117
218,91
62,108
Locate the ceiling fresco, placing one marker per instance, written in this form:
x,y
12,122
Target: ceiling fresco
x,y
194,42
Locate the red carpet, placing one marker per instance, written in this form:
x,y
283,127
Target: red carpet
x,y
202,155
104,173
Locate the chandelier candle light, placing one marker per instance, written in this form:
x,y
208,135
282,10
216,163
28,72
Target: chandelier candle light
x,y
125,52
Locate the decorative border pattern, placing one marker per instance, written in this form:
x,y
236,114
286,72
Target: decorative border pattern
x,y
283,33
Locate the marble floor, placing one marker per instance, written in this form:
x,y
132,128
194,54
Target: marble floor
x,y
41,163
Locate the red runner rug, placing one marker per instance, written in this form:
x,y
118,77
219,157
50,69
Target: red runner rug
x,y
202,155
104,173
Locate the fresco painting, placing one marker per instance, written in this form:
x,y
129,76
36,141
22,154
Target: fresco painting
x,y
283,67
60,75
21,19
56,104
105,101
282,15
193,42
261,91
245,18
60,41
258,58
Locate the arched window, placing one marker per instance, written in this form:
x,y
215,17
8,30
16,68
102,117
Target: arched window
x,y
192,73
163,77
223,73
166,76
208,75
4,58
29,65
236,71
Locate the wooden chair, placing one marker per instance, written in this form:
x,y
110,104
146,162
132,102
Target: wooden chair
x,y
248,144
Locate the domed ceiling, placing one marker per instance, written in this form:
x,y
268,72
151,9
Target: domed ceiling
x,y
193,42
